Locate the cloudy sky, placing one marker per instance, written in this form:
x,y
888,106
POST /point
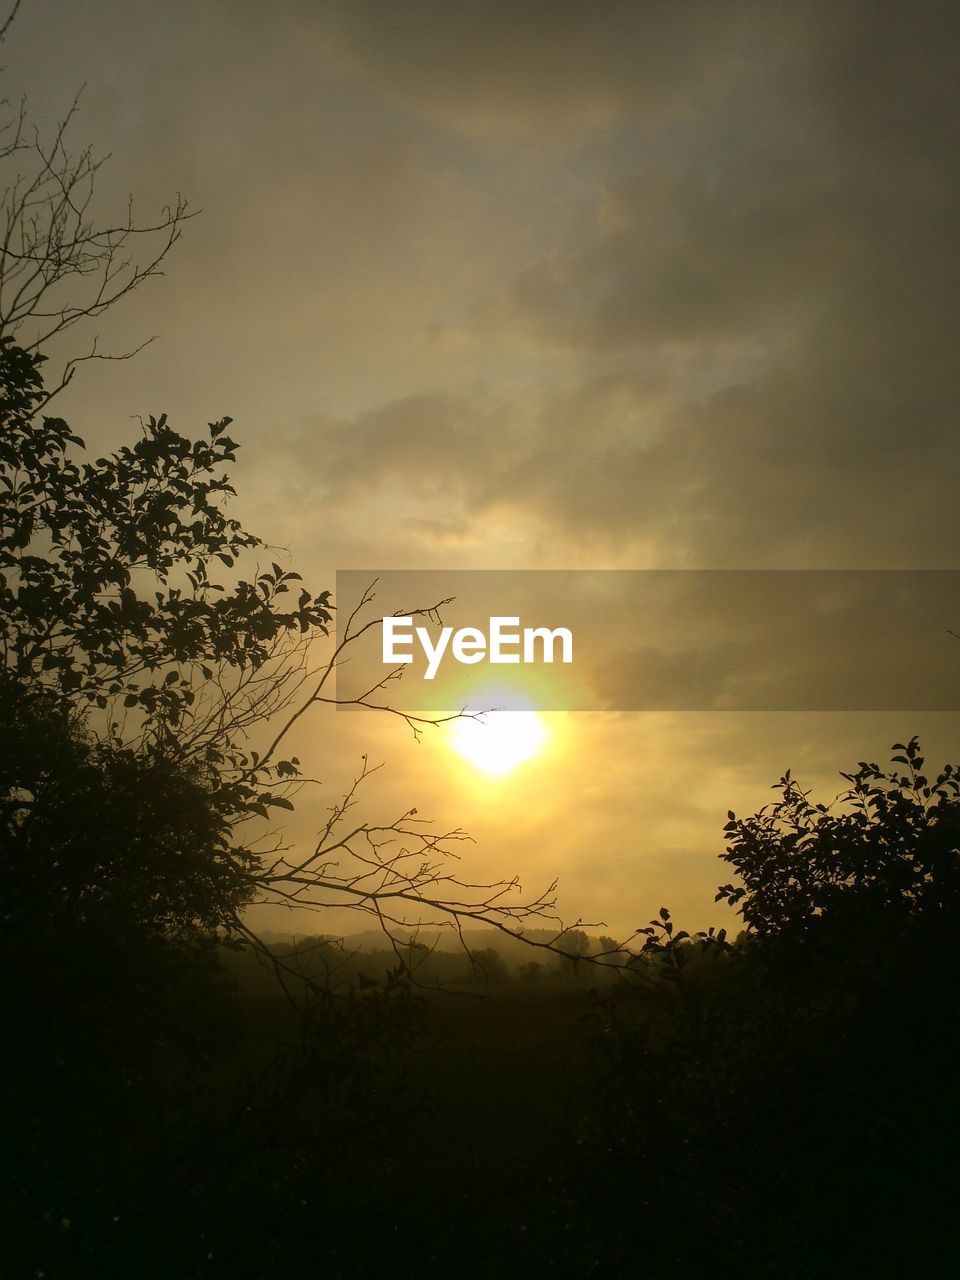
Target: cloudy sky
x,y
553,286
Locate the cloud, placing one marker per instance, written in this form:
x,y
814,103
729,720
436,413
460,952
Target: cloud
x,y
489,66
792,268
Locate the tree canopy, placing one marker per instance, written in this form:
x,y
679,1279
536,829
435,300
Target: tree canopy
x,y
887,852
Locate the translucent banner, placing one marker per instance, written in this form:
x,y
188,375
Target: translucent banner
x,y
649,640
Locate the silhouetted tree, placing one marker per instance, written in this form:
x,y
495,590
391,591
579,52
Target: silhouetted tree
x,y
888,852
95,831
107,611
573,943
111,607
489,967
785,1082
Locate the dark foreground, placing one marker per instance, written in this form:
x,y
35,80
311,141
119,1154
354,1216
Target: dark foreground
x,y
759,1112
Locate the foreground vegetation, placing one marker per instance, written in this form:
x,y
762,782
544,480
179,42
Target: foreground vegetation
x,y
783,1110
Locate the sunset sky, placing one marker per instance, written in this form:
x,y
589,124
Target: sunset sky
x,y
491,285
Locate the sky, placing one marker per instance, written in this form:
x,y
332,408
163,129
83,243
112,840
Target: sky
x,y
548,286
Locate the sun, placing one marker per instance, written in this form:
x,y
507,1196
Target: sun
x,y
497,742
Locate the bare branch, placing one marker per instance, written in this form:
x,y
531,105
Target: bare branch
x,y
59,266
10,17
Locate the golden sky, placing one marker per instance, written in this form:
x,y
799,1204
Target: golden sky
x,y
591,285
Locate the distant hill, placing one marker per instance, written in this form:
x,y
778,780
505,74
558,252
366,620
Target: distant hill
x,y
370,940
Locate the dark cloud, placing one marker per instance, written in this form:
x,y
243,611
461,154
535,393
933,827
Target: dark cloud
x,y
495,65
760,323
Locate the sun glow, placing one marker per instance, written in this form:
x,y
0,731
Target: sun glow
x,y
496,743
